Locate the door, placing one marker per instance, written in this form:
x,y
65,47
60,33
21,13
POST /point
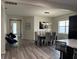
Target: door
x,y
73,27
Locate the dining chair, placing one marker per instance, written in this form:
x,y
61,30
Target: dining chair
x,y
75,54
47,39
61,46
36,38
53,38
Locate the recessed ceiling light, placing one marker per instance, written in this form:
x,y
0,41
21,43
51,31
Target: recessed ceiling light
x,y
46,12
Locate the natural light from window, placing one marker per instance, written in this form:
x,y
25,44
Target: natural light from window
x,y
63,26
14,28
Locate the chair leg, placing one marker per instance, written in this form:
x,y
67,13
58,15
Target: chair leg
x,y
35,42
43,42
61,55
51,43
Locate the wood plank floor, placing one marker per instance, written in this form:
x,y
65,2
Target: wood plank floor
x,y
27,50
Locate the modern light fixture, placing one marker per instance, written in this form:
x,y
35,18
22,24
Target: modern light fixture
x,y
46,12
11,3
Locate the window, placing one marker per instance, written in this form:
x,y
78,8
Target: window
x,y
63,26
14,28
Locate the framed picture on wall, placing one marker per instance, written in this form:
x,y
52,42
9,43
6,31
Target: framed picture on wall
x,y
43,25
28,26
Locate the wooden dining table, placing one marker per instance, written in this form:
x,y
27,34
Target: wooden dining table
x,y
71,45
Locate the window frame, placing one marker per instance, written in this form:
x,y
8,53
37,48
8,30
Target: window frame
x,y
65,32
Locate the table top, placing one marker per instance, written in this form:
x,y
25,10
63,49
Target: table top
x,y
70,42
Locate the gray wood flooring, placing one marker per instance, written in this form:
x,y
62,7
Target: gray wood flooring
x,y
27,50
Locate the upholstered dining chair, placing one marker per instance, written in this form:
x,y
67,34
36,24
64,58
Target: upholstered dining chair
x,y
75,54
61,46
36,38
47,39
53,38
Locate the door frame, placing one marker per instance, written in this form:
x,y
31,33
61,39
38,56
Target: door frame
x,y
20,25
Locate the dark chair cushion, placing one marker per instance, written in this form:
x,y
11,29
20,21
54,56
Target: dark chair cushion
x,y
9,40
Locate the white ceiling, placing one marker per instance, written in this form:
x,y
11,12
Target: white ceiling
x,y
38,7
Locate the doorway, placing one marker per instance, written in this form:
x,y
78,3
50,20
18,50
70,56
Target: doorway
x,y
15,26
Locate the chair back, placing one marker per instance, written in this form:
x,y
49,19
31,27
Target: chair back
x,y
48,36
61,46
36,36
53,36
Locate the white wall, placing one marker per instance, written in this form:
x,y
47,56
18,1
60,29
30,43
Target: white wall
x,y
38,19
28,27
27,32
3,28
